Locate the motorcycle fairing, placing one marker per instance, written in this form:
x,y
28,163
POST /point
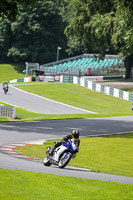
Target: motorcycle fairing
x,y
58,151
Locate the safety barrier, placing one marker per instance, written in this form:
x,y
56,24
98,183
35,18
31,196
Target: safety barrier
x,y
90,84
8,111
103,89
25,79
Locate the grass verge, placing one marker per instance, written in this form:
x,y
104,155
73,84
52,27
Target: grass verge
x,y
105,106
18,185
128,89
22,114
108,154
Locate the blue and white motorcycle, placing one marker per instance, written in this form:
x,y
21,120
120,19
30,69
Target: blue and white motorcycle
x,y
62,154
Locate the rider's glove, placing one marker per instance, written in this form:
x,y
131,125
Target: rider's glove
x,y
63,141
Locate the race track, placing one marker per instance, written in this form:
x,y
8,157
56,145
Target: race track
x,y
37,103
12,133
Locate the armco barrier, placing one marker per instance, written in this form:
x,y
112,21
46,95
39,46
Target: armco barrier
x,y
103,89
91,85
8,111
39,78
25,79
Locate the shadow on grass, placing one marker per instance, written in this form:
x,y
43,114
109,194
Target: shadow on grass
x,y
19,67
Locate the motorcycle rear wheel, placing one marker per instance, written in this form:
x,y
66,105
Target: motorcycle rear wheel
x,y
64,160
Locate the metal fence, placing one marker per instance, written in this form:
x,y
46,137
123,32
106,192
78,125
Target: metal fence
x,y
8,111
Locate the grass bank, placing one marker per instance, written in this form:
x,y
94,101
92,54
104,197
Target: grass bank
x,y
71,94
108,154
105,106
9,72
18,185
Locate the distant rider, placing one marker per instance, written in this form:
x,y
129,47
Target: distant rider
x,y
74,135
5,85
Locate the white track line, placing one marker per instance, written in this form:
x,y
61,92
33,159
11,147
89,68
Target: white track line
x,y
53,100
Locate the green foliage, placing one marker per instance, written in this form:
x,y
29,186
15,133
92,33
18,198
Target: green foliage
x,y
35,35
79,24
10,8
116,25
90,26
102,27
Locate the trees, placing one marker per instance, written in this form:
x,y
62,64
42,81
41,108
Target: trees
x,y
5,38
90,26
9,8
79,24
118,26
35,34
104,27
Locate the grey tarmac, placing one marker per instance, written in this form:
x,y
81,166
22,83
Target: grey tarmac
x,y
36,103
11,133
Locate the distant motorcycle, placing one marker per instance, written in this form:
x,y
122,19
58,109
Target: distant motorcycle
x,y
5,88
62,154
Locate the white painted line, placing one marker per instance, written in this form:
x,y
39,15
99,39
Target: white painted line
x,y
82,169
7,149
80,129
39,142
54,101
19,107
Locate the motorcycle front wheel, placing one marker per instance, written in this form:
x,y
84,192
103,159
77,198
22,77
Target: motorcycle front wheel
x,y
64,160
46,161
5,91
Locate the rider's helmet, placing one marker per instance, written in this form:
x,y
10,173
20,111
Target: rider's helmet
x,y
75,134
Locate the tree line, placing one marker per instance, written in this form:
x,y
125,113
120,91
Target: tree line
x,y
32,30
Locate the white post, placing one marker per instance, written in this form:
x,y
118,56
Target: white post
x,y
58,49
26,68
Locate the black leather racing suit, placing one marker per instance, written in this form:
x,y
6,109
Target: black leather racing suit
x,y
64,140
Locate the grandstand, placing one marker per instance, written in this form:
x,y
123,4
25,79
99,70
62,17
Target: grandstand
x,y
86,64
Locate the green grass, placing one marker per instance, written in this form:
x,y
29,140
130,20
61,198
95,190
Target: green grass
x,y
18,185
22,114
15,185
108,154
9,72
71,94
130,89
105,106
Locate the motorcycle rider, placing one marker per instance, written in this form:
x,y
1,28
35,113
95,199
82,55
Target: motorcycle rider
x,y
74,135
5,85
